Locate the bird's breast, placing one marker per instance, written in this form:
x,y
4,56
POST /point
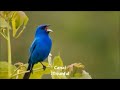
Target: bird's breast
x,y
44,48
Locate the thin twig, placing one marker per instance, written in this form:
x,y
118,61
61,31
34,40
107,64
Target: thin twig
x,y
35,70
19,73
15,71
18,67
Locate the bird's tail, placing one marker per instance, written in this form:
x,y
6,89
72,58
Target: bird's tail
x,y
27,74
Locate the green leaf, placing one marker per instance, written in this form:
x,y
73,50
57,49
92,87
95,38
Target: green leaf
x,y
74,66
75,70
57,61
38,71
19,19
4,69
85,75
3,23
77,75
6,14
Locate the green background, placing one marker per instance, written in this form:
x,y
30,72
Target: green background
x,y
88,37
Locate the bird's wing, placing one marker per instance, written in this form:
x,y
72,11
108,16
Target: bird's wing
x,y
32,47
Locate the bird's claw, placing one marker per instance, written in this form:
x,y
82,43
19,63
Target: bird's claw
x,y
44,67
32,71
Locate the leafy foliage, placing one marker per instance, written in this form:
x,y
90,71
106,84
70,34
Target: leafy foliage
x,y
17,19
3,23
4,70
73,71
39,72
57,61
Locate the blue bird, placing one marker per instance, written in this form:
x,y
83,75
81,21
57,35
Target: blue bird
x,y
40,48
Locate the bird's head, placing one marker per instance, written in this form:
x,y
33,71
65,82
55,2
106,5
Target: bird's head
x,y
43,29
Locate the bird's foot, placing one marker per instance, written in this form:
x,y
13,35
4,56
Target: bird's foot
x,y
32,71
44,67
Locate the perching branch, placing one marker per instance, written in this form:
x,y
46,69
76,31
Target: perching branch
x,y
17,70
35,70
19,73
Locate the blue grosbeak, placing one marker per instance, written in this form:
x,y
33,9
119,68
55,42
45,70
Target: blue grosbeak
x,y
40,48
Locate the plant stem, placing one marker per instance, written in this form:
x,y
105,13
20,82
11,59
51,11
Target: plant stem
x,y
9,55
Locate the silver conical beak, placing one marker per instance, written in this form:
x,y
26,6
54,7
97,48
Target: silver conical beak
x,y
49,30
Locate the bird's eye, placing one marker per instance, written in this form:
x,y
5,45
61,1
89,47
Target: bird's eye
x,y
46,28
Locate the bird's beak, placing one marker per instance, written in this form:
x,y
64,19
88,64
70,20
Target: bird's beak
x,y
49,30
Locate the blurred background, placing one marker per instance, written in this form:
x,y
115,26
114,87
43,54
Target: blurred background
x,y
87,37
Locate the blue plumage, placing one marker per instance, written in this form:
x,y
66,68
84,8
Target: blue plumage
x,y
40,48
